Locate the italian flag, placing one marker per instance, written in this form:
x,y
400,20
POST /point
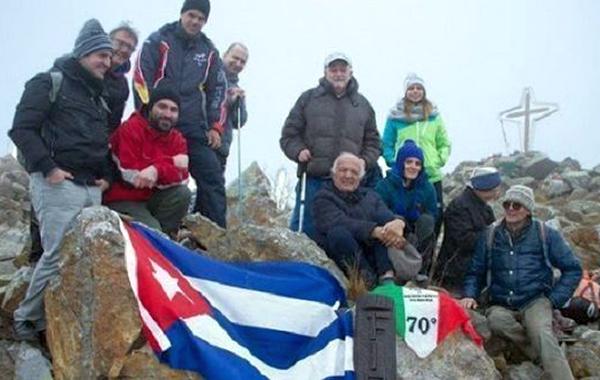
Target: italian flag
x,y
424,318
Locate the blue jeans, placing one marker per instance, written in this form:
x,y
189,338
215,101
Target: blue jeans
x,y
313,184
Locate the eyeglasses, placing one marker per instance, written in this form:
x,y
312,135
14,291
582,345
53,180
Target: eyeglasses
x,y
510,204
120,44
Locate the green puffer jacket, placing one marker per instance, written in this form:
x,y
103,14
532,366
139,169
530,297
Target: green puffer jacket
x,y
430,135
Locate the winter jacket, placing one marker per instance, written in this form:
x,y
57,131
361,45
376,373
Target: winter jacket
x,y
118,92
430,135
194,66
69,133
328,125
135,146
360,212
409,202
232,115
519,270
464,219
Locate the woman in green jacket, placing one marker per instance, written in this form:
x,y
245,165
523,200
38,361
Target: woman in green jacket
x,y
416,118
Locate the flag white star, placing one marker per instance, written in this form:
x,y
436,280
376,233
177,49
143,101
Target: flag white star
x,y
170,285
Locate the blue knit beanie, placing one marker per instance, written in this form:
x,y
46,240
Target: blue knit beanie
x,y
91,38
485,178
408,149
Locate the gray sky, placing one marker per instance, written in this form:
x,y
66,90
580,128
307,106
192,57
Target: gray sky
x,y
475,56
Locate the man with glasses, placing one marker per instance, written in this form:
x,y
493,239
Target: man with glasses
x,y
124,39
517,257
464,218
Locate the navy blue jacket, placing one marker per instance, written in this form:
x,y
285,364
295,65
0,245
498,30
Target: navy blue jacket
x,y
194,66
360,212
519,271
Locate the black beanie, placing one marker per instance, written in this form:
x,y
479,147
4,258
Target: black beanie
x,y
199,5
164,90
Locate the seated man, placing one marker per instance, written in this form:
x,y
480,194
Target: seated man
x,y
464,219
517,258
152,159
353,224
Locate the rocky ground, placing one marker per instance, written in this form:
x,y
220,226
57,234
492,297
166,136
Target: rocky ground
x,y
94,329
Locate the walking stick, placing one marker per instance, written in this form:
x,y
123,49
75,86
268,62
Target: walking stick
x,y
239,156
302,198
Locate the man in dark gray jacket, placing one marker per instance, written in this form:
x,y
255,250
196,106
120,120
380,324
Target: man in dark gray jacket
x,y
62,134
325,121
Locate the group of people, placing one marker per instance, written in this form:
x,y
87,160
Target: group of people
x,y
79,152
69,132
362,220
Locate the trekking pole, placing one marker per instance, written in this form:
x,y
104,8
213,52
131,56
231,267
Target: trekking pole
x,y
302,197
239,156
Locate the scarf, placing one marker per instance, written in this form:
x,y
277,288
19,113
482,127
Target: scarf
x,y
416,114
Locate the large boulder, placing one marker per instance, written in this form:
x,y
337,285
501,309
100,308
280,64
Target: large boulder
x,y
92,316
257,206
536,165
457,357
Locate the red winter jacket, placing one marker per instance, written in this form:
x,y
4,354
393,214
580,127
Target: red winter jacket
x,y
135,146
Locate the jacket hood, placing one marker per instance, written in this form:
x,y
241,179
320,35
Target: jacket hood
x,y
71,67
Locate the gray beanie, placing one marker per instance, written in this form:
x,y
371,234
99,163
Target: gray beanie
x,y
91,38
520,194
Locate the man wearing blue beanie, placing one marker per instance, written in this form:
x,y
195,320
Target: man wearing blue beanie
x,y
466,216
60,129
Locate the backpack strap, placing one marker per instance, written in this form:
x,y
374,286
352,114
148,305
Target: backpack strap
x,y
56,77
541,226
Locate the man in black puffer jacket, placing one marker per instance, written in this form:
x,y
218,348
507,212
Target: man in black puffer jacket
x,y
65,145
327,120
180,52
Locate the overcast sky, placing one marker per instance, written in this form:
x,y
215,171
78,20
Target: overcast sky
x,y
475,56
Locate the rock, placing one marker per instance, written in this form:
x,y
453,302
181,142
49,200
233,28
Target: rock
x,y
554,186
595,184
569,164
7,363
257,243
92,315
143,365
481,325
583,207
526,181
15,291
588,240
457,357
577,179
258,206
29,362
536,165
583,361
523,371
596,170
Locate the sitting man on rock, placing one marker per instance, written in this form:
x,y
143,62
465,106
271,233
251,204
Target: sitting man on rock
x,y
152,159
353,224
517,257
464,219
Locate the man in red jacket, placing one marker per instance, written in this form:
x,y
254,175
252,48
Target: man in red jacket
x,y
151,156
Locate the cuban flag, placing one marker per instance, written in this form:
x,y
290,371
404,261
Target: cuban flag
x,y
261,320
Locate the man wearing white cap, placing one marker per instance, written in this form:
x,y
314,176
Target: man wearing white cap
x,y
325,121
516,258
465,217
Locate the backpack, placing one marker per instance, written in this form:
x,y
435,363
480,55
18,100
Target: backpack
x,y
56,77
584,306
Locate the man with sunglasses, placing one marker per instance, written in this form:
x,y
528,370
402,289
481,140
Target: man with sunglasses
x,y
517,258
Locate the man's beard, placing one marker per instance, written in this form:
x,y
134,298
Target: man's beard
x,y
162,124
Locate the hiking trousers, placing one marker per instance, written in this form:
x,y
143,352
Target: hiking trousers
x,y
163,211
537,326
56,206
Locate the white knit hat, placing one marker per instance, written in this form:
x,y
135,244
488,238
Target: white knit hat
x,y
520,194
411,79
484,178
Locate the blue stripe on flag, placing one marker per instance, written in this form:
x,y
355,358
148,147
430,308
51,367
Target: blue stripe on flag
x,y
284,278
